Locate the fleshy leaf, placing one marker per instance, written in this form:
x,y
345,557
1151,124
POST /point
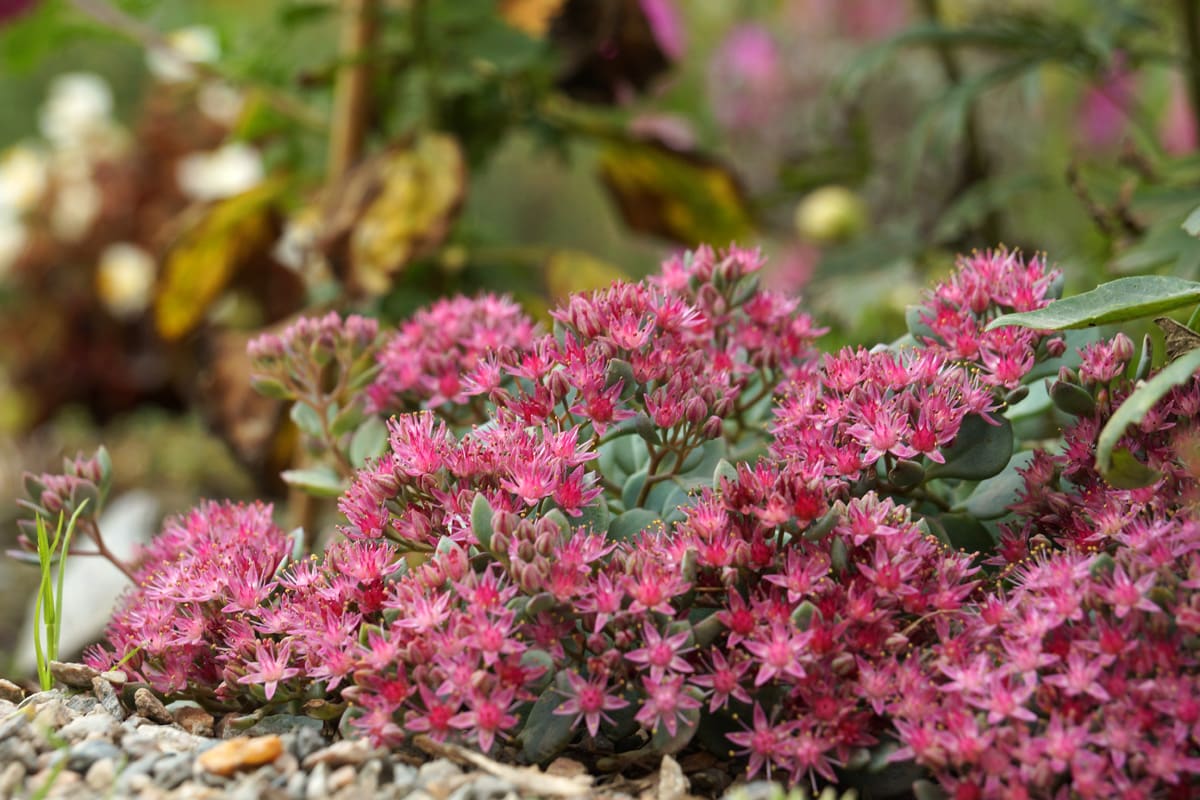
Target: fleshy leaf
x,y
992,497
1123,470
980,450
319,481
1115,301
631,523
369,441
481,521
546,734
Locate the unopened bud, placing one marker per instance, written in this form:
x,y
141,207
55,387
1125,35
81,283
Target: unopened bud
x,y
1122,347
694,410
713,428
895,643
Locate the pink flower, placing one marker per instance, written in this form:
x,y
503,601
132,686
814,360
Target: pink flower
x,y
488,715
270,665
589,700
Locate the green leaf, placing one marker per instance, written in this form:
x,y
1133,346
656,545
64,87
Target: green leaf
x,y
307,419
992,497
1120,470
633,487
369,441
964,533
319,481
1117,469
347,419
631,523
980,450
546,734
1192,223
596,516
1115,301
481,521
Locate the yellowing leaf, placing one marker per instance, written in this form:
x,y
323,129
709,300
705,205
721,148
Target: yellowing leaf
x,y
530,16
681,196
570,271
417,193
207,256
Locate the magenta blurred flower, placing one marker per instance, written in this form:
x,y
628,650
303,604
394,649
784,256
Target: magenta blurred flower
x,y
11,9
666,23
1102,115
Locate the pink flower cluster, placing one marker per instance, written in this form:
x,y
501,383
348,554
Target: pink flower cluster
x,y
424,363
985,286
584,562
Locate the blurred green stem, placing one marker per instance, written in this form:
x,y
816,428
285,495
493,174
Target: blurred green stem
x,y
975,164
1190,13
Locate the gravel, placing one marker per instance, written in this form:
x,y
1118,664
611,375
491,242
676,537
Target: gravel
x,y
103,742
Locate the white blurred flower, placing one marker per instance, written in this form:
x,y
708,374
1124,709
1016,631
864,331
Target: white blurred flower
x,y
12,242
77,109
224,172
192,45
220,102
76,204
296,248
23,179
125,279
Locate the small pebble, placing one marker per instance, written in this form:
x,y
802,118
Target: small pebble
x,y
239,753
116,677
151,707
194,720
10,692
101,774
108,697
11,777
18,751
77,676
304,742
340,778
90,726
354,751
81,756
172,770
437,770
318,783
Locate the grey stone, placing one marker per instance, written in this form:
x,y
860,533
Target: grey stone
x,y
368,776
94,726
19,751
100,775
81,756
404,776
15,724
250,787
347,751
295,785
304,742
151,707
154,739
437,770
754,790
70,673
11,778
318,783
82,703
129,775
172,770
280,724
484,787
107,696
340,778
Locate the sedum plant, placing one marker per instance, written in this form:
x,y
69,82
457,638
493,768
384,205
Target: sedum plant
x,y
670,523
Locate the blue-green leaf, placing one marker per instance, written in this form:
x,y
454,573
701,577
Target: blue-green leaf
x,y
1120,470
980,450
1115,301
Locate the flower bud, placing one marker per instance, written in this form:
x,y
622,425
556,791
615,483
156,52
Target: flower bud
x,y
713,428
843,664
546,544
694,410
1056,347
895,643
1122,347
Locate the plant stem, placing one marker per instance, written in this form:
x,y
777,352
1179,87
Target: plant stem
x,y
351,106
975,164
1190,12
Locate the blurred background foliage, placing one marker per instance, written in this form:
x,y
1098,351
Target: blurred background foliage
x,y
177,175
